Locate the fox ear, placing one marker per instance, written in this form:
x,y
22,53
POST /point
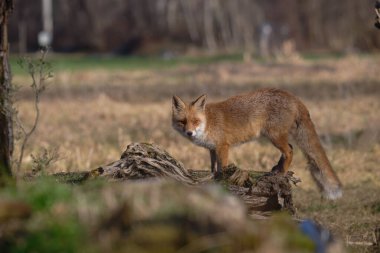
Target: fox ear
x,y
200,102
178,104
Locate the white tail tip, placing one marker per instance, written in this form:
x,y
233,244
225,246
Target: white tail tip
x,y
333,194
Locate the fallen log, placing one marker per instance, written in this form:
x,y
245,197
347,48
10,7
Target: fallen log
x,y
261,192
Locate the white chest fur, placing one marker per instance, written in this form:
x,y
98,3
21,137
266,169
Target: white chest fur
x,y
200,137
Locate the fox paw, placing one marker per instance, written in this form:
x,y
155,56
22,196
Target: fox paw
x,y
218,175
277,169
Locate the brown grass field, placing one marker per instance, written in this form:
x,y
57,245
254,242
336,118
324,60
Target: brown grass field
x,y
90,116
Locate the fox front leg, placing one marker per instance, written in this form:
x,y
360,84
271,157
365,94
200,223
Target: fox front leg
x,y
213,160
222,160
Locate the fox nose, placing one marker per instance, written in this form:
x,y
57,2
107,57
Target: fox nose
x,y
189,133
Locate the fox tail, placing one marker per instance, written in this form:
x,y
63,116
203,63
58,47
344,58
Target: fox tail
x,y
307,139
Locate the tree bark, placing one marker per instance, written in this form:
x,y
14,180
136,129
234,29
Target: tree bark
x,y
6,129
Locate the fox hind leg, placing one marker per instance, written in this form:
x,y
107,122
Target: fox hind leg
x,y
279,167
286,154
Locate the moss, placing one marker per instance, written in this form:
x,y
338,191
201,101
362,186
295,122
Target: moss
x,y
72,177
52,235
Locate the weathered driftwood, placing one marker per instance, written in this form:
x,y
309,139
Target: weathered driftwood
x,y
141,161
262,192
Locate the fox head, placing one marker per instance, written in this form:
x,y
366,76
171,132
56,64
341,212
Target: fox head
x,y
189,119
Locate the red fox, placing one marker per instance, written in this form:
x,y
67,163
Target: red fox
x,y
272,113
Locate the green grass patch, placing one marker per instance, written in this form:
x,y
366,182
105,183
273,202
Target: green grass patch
x,y
53,225
40,194
109,62
80,62
52,235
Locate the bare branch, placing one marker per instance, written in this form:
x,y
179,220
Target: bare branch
x,y
39,72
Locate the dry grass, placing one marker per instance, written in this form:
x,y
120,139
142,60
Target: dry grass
x,y
91,117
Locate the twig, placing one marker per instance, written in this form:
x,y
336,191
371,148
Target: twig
x,y
360,243
38,87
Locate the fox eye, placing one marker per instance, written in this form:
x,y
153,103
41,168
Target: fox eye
x,y
181,122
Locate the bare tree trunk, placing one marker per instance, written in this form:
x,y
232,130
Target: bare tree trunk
x,y
172,14
190,19
22,37
235,20
266,31
6,130
248,30
209,26
225,28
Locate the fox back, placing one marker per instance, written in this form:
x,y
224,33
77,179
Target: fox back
x,y
236,120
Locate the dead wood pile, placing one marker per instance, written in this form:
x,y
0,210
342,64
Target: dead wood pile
x,y
262,192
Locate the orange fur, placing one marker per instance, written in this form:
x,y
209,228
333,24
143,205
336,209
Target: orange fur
x,y
272,113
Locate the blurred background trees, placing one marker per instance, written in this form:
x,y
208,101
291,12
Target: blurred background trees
x,y
153,26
